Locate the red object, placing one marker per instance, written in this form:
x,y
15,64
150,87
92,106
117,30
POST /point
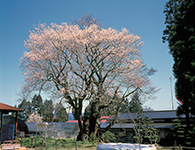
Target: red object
x,y
179,101
11,145
11,142
105,117
103,120
72,121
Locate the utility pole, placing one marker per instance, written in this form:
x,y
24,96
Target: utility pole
x,y
171,93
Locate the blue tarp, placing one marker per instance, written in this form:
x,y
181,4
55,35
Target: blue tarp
x,y
7,132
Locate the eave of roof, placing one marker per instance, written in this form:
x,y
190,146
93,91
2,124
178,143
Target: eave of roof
x,y
131,125
170,114
4,107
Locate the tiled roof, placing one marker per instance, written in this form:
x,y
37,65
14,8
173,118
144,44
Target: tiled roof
x,y
123,119
4,107
150,114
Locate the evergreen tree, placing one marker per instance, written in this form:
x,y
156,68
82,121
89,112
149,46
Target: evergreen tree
x,y
124,106
180,35
37,105
135,104
138,137
48,111
60,112
151,134
191,138
178,132
26,106
144,130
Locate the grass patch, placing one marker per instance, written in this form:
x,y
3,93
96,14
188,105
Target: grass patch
x,y
61,144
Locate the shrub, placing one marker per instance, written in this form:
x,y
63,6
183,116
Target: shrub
x,y
108,136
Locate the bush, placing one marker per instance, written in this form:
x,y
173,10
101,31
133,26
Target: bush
x,y
108,136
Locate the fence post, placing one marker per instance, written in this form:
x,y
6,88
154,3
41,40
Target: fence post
x,y
41,143
21,141
56,144
31,141
35,141
76,145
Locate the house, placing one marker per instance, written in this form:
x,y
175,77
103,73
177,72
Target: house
x,y
124,125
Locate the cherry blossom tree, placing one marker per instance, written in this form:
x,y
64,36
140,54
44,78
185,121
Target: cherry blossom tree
x,y
90,64
34,117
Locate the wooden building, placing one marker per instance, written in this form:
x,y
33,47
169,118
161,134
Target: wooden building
x,y
124,125
8,131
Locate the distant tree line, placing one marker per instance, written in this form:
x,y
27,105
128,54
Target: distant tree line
x,y
46,109
133,105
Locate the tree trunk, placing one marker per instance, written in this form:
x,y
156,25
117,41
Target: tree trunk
x,y
91,122
91,125
77,113
80,136
187,118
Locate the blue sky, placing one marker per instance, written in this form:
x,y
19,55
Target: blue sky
x,y
142,17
